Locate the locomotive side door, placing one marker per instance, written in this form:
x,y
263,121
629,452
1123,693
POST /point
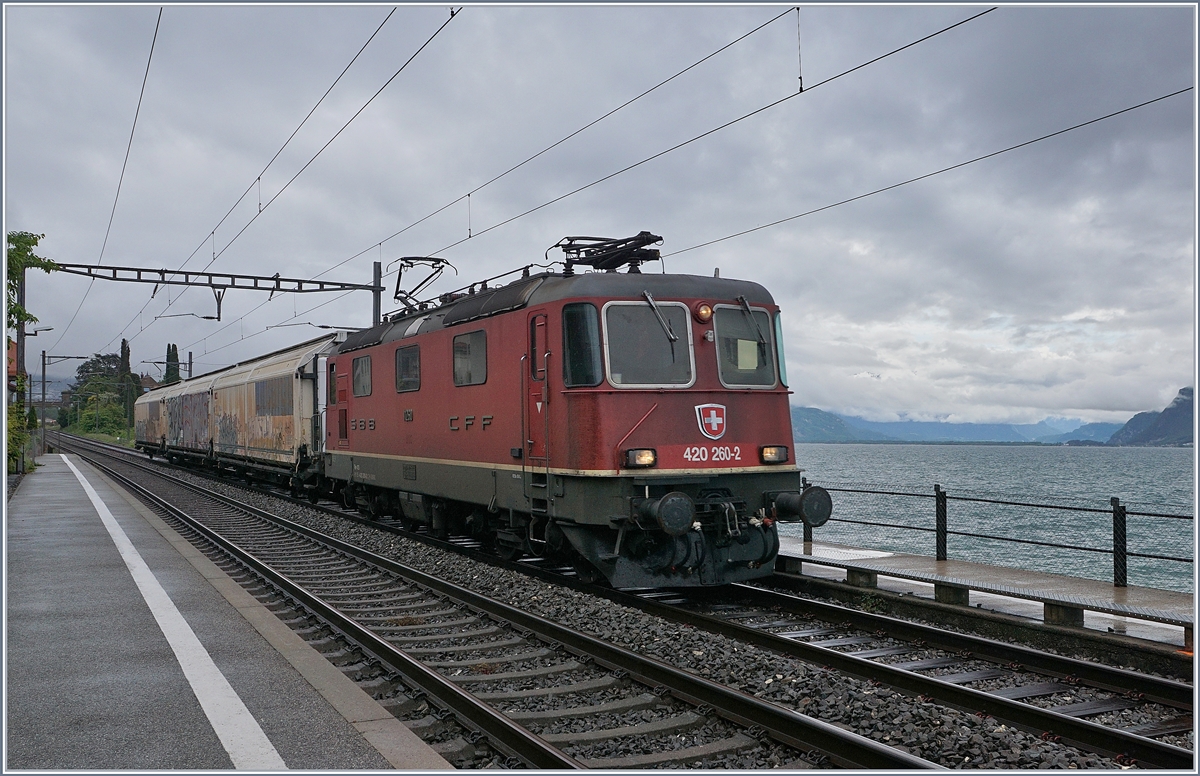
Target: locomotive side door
x,y
537,413
338,405
538,393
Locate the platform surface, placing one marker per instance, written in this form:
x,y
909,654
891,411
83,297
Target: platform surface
x,y
93,683
1031,583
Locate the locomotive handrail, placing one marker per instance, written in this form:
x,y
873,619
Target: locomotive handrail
x,y
617,449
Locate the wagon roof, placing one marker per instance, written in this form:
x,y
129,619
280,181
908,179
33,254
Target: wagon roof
x,y
302,351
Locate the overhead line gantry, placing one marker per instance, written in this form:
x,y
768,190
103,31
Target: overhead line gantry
x,y
220,282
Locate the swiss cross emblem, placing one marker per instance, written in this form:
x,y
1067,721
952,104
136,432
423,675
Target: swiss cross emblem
x,y
711,418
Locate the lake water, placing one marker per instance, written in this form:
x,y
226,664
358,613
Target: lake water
x,y
1145,479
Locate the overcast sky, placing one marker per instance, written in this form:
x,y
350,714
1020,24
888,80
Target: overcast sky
x,y
1055,280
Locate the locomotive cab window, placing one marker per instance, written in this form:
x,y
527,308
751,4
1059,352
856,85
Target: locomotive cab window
x,y
408,369
361,370
653,345
745,352
470,358
779,350
331,386
581,345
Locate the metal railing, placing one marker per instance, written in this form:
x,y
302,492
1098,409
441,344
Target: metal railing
x,y
859,504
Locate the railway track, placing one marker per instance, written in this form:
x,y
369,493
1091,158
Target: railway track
x,y
1049,696
537,691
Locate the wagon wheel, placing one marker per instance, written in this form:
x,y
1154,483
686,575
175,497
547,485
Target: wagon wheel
x,y
507,551
586,572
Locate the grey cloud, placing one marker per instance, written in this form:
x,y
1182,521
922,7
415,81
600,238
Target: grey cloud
x,y
1056,280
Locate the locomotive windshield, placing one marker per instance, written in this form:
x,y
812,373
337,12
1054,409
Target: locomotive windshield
x,y
638,349
744,347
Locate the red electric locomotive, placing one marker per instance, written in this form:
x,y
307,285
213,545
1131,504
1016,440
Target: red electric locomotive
x,y
635,425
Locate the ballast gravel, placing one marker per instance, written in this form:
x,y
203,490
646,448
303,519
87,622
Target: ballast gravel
x,y
936,733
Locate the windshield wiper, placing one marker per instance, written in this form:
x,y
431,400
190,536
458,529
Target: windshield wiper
x,y
749,314
666,327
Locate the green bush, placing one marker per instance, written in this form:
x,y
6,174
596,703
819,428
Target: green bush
x,y
101,418
18,437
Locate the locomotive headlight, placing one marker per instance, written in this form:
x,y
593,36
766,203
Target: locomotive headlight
x,y
640,458
773,454
703,312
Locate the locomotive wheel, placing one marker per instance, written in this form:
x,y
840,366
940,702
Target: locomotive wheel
x,y
313,496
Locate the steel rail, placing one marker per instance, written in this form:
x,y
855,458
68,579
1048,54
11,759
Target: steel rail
x,y
1165,691
786,726
504,734
1083,734
1076,732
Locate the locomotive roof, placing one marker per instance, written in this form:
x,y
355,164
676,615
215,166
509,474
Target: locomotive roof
x,y
548,287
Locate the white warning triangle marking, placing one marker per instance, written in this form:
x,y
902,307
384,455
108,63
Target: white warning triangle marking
x,y
539,406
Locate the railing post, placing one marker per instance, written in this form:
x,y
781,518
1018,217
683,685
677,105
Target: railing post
x,y
939,497
1120,578
808,535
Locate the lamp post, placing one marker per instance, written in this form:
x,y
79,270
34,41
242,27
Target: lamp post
x,y
50,360
22,333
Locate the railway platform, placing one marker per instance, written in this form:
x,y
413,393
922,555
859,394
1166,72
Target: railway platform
x,y
128,649
1162,616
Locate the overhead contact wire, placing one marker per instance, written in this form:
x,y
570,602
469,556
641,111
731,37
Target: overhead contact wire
x,y
531,158
552,146
835,204
726,125
453,13
258,178
661,153
931,174
120,180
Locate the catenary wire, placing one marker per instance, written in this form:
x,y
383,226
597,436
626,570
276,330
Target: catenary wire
x,y
529,159
261,210
253,218
258,181
817,210
930,174
120,180
552,146
714,130
661,153
258,178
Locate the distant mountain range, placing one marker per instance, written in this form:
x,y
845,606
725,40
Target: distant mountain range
x,y
1172,427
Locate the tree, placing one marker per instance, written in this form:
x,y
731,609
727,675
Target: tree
x,y
20,258
171,375
96,390
128,386
64,417
31,422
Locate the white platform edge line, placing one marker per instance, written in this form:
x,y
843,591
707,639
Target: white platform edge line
x,y
240,734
